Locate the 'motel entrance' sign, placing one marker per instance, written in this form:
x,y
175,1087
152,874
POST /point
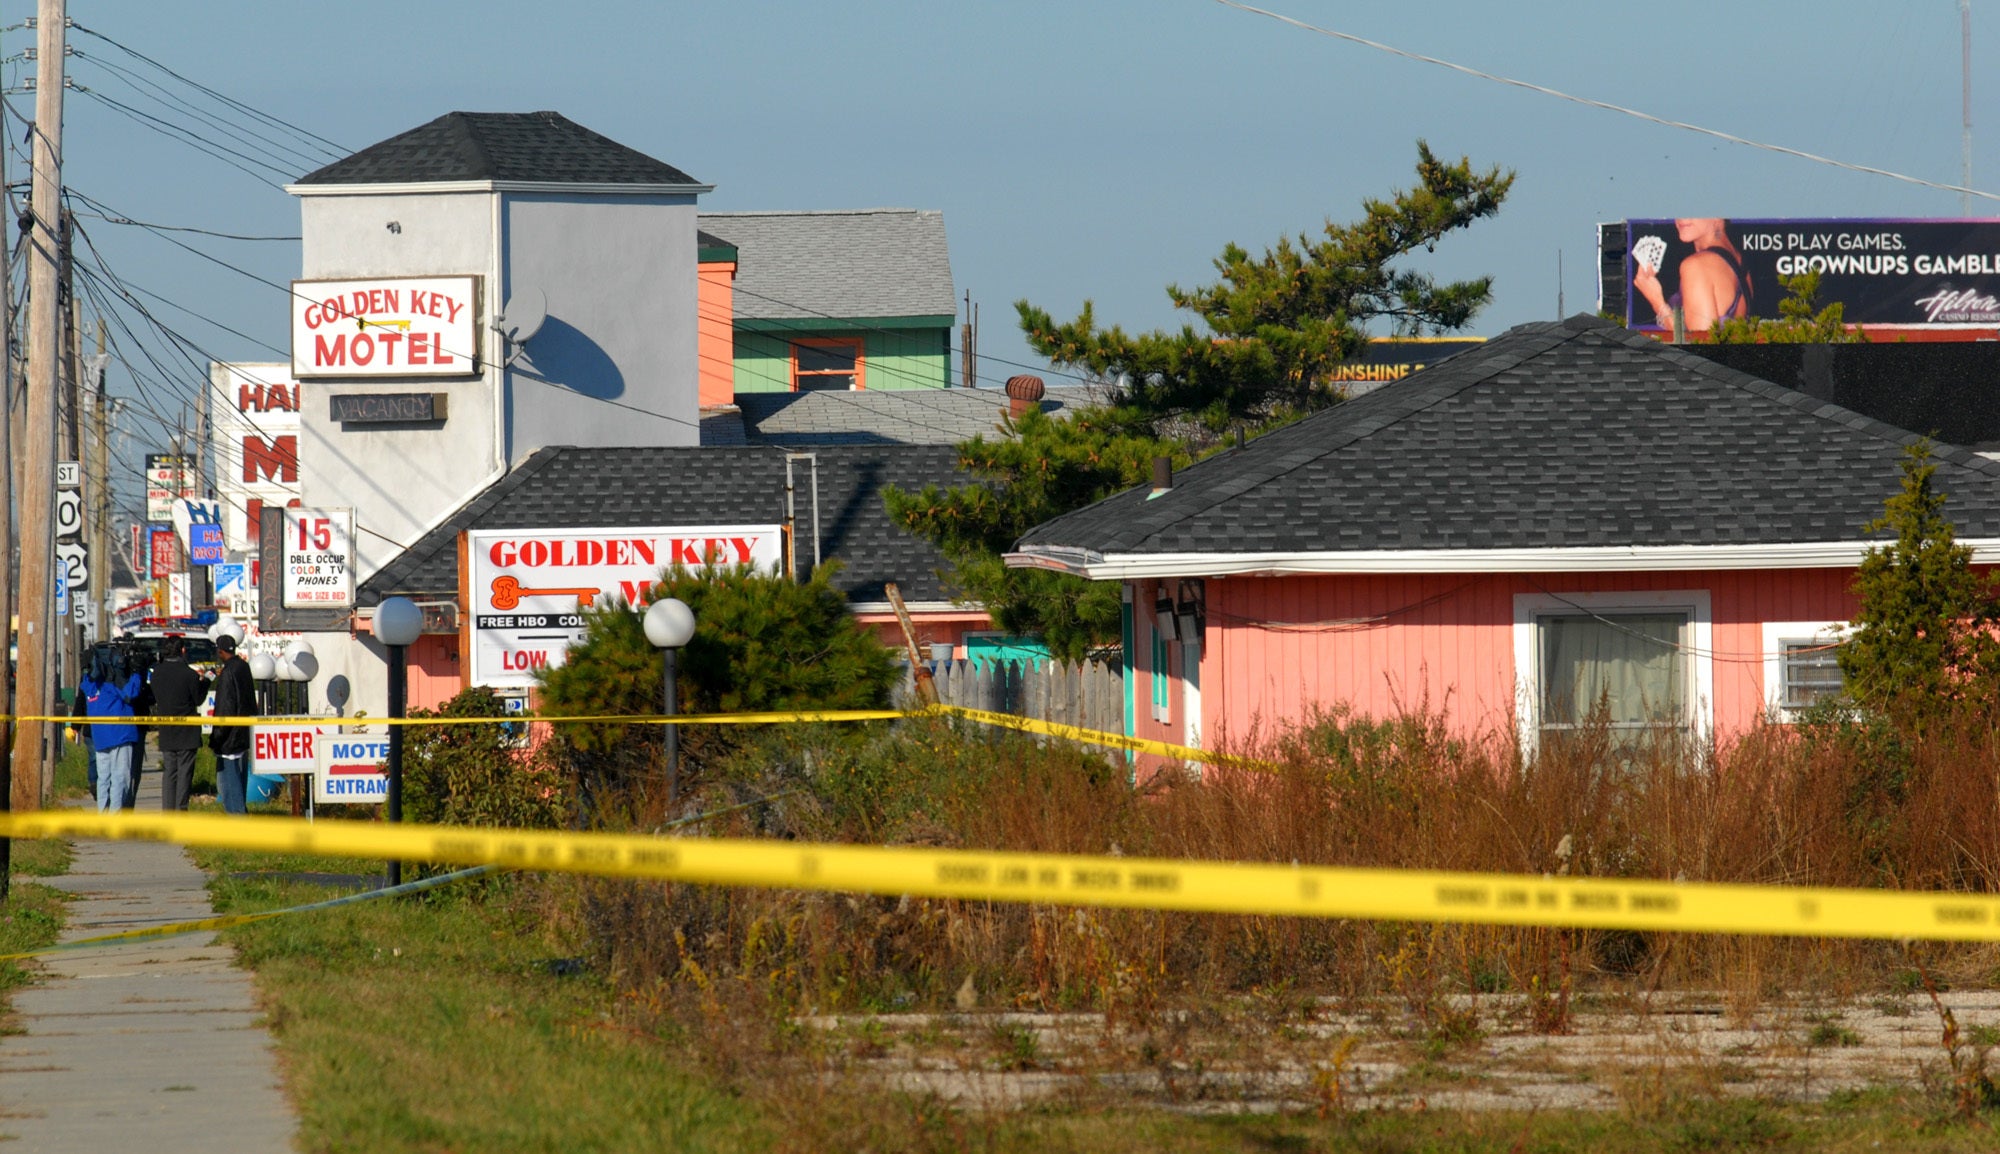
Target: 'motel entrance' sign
x,y
348,769
528,587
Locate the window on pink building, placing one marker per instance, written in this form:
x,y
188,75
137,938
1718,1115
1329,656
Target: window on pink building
x,y
1628,667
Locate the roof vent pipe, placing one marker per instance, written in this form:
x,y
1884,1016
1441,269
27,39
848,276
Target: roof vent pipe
x,y
1163,474
1024,392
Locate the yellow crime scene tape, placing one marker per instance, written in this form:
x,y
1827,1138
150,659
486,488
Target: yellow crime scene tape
x,y
1061,879
225,921
781,717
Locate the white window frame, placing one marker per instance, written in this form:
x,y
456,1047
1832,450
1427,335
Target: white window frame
x,y
1529,608
1778,634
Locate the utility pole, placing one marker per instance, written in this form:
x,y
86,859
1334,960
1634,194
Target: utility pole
x,y
965,345
71,623
1965,100
32,765
6,530
100,493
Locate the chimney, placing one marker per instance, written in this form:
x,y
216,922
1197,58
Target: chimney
x,y
1024,393
1163,475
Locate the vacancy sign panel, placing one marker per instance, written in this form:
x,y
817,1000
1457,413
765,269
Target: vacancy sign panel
x,y
393,328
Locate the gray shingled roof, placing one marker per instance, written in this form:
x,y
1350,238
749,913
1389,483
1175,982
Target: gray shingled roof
x,y
876,262
568,487
878,416
1564,434
532,147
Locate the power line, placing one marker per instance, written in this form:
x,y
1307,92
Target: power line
x,y
242,134
338,150
1605,105
108,219
176,132
176,340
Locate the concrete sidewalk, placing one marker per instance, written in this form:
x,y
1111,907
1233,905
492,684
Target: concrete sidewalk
x,y
151,1046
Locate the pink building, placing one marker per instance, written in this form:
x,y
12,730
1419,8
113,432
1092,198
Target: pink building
x,y
1569,515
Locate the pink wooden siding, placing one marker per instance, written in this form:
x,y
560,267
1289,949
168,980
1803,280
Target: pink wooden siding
x,y
1279,646
433,669
1173,729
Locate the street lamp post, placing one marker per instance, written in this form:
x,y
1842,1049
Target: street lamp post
x,y
296,668
669,626
398,624
263,671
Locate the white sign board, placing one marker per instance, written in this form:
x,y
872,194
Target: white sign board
x,y
318,559
527,585
69,474
396,328
169,478
348,769
286,749
180,595
253,438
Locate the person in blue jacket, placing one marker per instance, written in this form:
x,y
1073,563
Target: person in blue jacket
x,y
108,690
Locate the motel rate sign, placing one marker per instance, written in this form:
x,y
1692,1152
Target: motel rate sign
x,y
526,588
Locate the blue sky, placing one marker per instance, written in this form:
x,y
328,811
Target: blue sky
x,y
1078,150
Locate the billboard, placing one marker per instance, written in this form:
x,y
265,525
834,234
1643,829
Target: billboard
x,y
396,327
1939,274
1393,358
526,585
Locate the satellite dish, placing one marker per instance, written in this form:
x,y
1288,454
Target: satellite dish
x,y
522,316
337,691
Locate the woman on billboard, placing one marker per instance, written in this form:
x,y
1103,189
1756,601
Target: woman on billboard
x,y
1713,283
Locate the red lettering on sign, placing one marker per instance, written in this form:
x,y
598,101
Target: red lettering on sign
x,y
279,458
267,398
523,660
327,355
537,554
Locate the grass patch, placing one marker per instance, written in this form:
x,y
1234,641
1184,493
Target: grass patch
x,y
40,857
72,772
433,1024
438,1024
32,916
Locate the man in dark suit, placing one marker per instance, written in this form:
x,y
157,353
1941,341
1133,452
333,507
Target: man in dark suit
x,y
235,696
178,691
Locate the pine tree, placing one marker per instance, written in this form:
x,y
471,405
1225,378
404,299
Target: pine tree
x,y
760,643
1039,469
1276,325
1274,328
1800,320
1925,626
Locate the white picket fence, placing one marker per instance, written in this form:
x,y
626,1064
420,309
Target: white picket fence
x,y
1090,695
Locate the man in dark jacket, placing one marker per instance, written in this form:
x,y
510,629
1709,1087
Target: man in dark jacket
x,y
235,696
178,691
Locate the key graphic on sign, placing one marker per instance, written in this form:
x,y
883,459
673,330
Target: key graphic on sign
x,y
507,593
365,324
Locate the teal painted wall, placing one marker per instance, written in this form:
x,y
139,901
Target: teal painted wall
x,y
894,359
